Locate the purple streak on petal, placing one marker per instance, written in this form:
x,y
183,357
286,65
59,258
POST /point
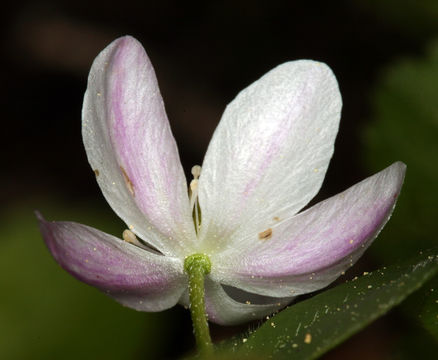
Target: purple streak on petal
x,y
142,138
135,277
311,249
129,143
339,245
264,152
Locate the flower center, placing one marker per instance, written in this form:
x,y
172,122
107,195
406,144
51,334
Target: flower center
x,y
194,203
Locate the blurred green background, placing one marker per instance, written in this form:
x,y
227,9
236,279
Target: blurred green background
x,y
385,56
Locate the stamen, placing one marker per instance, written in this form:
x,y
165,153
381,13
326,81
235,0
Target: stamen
x,y
194,204
196,171
130,237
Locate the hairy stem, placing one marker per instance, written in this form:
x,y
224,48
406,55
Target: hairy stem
x,y
197,266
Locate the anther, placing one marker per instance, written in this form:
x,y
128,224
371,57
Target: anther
x,y
194,205
196,171
130,237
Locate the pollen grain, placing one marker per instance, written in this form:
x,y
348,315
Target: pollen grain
x,y
265,235
128,181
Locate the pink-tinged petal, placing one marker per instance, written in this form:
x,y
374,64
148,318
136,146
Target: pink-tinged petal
x,y
133,276
270,152
224,310
310,250
131,148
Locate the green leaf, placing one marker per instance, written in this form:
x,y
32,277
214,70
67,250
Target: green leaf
x,y
429,312
312,327
424,307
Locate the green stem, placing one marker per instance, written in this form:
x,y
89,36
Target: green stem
x,y
197,266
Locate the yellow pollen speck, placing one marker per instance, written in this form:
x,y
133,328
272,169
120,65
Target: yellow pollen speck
x,y
94,249
351,241
86,260
276,218
365,273
244,340
273,324
370,286
308,338
96,172
98,94
248,302
265,235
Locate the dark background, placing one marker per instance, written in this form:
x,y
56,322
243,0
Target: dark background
x,y
203,54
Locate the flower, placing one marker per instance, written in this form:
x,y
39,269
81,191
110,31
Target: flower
x,y
267,159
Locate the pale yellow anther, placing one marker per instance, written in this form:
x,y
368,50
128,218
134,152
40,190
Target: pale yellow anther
x,y
196,171
130,237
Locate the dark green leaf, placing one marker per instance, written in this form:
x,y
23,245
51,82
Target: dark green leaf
x,y
312,327
424,307
429,312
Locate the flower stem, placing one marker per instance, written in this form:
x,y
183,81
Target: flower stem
x,y
197,266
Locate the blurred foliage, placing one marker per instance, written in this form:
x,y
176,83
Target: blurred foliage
x,y
46,313
416,17
405,127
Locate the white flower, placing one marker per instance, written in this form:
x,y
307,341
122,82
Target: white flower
x,y
266,161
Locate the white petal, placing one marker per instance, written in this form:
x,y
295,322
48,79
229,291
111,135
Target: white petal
x,y
270,152
130,147
223,310
133,276
310,250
